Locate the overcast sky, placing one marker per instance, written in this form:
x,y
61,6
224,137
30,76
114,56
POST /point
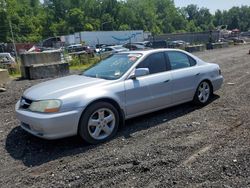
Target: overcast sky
x,y
213,5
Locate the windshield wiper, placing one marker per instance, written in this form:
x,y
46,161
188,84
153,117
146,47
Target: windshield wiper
x,y
92,76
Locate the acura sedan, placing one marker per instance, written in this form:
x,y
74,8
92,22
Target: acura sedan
x,y
123,86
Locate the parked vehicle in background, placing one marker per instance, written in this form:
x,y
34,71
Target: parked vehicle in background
x,y
237,40
73,47
179,44
170,44
144,43
37,48
132,46
3,47
6,59
159,44
98,47
123,86
225,40
113,49
52,43
79,48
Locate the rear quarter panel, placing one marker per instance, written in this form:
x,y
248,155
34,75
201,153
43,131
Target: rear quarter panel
x,y
210,71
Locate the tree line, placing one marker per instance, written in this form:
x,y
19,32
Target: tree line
x,y
32,20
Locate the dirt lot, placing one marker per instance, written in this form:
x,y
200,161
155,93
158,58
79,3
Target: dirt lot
x,y
184,146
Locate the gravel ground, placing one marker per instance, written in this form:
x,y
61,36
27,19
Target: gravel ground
x,y
183,146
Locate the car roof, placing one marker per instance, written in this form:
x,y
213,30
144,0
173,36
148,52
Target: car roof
x,y
5,54
73,45
149,51
115,46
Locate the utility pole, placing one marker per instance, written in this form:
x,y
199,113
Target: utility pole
x,y
13,41
11,31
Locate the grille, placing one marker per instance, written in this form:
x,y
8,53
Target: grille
x,y
25,103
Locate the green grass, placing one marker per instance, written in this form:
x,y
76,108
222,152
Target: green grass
x,y
13,70
83,63
80,67
15,75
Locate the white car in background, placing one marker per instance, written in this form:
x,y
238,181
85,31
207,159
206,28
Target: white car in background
x,y
114,49
7,59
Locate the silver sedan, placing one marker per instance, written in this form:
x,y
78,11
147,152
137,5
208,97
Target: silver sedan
x,y
123,86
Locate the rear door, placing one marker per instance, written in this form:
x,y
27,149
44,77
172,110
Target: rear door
x,y
184,75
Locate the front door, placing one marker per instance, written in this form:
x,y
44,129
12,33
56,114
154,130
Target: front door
x,y
150,92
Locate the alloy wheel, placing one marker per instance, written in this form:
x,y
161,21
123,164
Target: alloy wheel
x,y
101,123
204,92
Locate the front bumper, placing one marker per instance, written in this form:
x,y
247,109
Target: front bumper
x,y
49,126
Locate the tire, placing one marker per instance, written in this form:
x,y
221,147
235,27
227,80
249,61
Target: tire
x,y
203,93
99,123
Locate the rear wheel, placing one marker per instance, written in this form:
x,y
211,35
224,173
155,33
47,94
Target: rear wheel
x,y
203,93
99,123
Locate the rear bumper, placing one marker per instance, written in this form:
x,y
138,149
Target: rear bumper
x,y
49,126
217,83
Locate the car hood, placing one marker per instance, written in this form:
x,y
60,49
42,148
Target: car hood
x,y
57,88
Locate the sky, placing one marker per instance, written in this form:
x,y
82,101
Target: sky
x,y
213,5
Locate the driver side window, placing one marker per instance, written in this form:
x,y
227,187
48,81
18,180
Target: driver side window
x,y
155,63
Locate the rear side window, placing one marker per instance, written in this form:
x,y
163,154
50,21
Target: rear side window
x,y
155,63
179,60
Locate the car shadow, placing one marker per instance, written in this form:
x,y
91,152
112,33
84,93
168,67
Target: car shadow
x,y
33,151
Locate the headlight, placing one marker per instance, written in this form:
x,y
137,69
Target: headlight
x,y
48,106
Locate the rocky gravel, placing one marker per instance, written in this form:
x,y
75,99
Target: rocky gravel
x,y
183,146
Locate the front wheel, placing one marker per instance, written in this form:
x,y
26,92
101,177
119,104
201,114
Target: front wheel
x,y
203,93
99,123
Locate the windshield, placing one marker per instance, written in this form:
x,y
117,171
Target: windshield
x,y
113,67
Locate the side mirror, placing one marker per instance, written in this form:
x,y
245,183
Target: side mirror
x,y
139,72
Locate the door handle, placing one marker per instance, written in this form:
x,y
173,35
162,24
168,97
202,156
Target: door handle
x,y
197,74
166,81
